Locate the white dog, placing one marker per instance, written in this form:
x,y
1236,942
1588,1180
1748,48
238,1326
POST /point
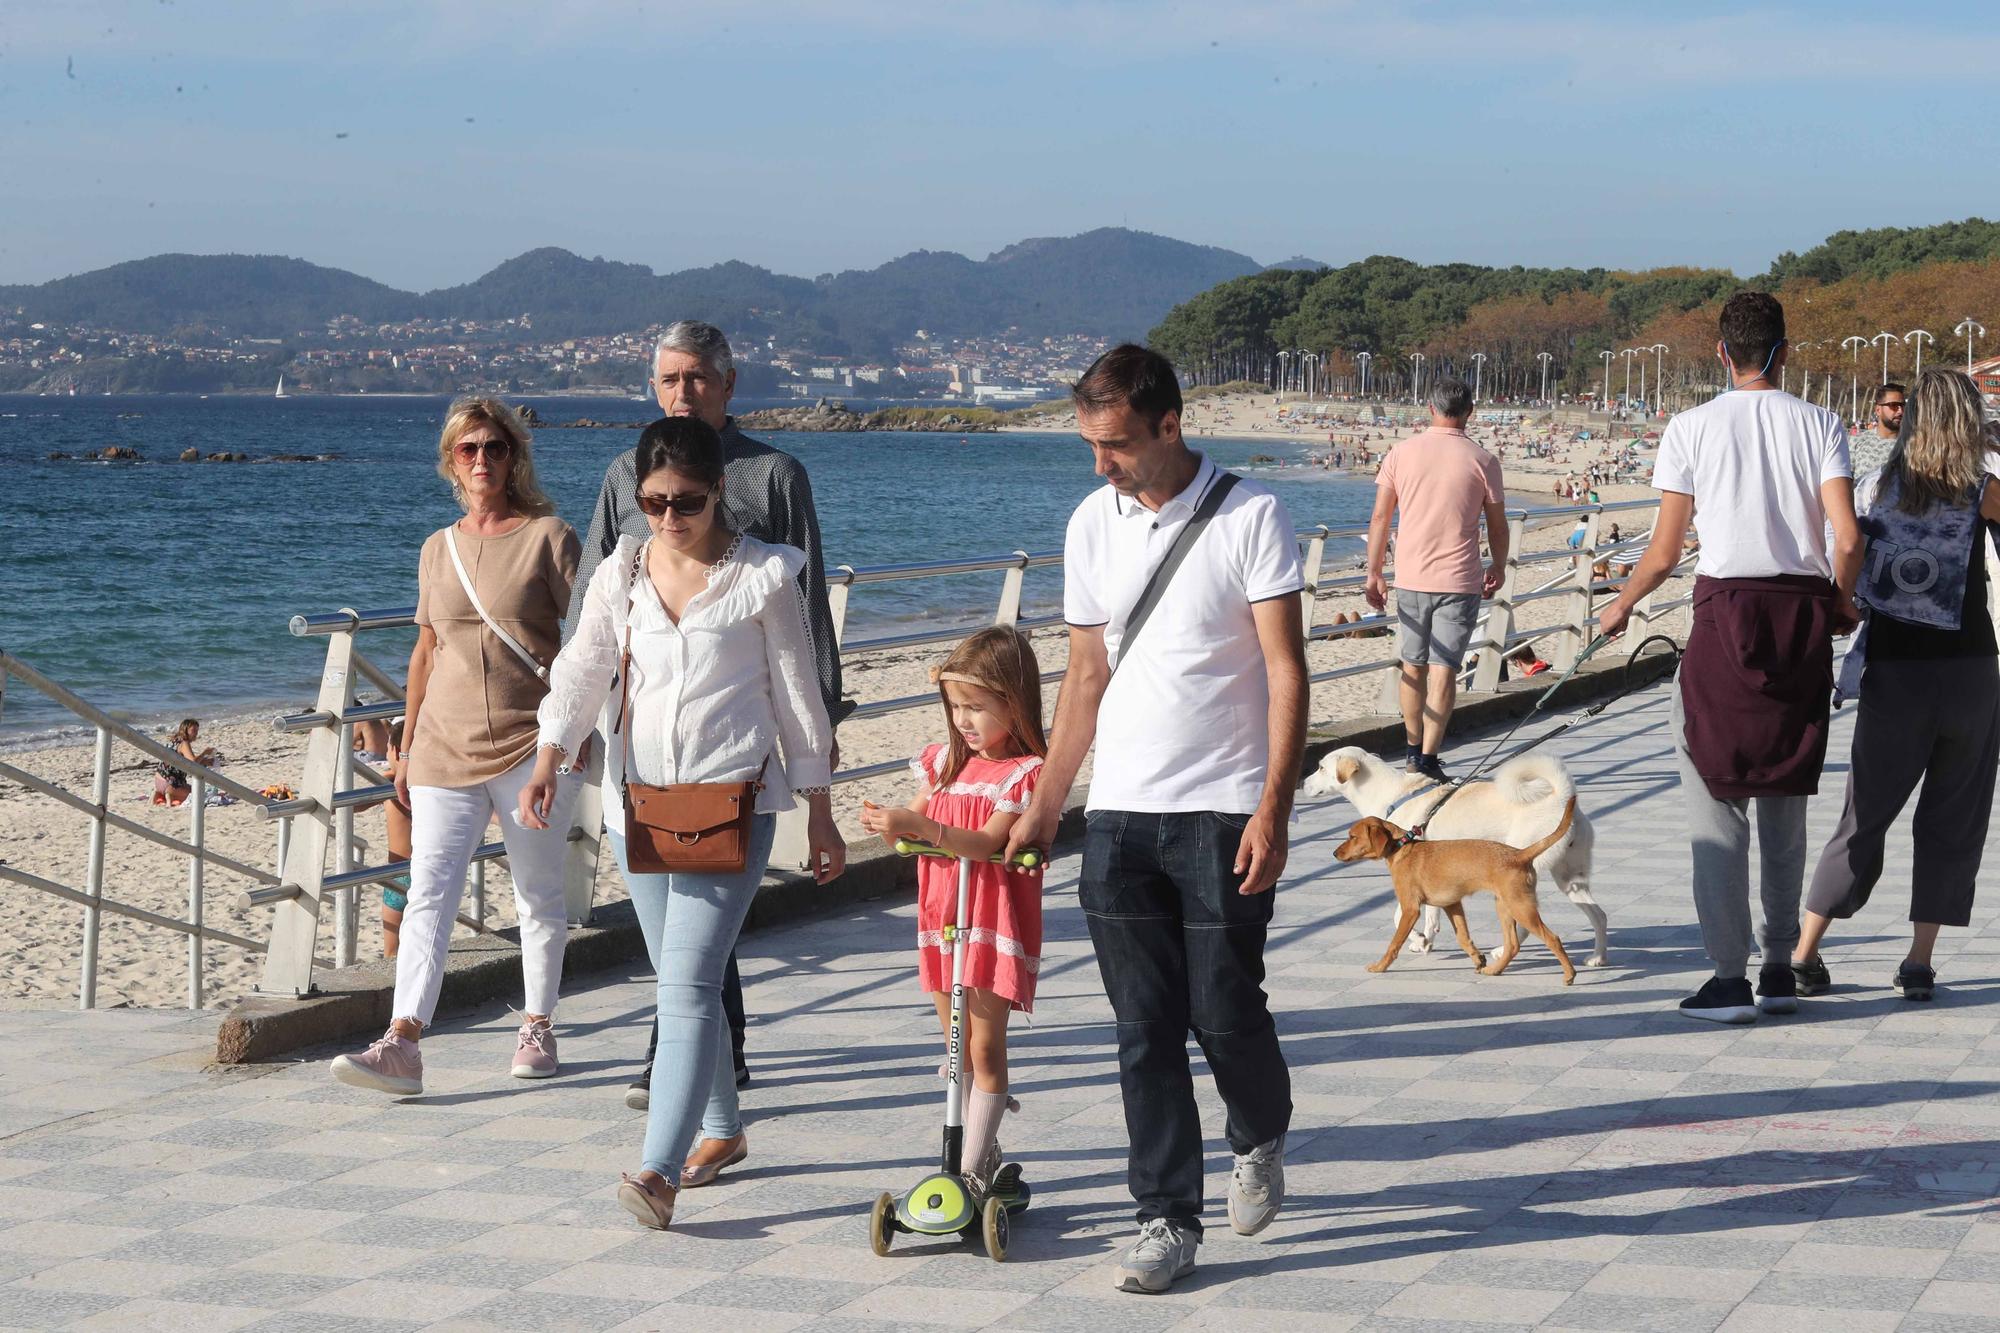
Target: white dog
x,y
1521,804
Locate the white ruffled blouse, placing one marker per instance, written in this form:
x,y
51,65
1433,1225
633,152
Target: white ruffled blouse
x,y
713,697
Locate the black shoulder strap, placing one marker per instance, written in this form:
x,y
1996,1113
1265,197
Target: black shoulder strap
x,y
1163,574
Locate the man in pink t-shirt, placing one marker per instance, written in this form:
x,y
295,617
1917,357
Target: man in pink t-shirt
x,y
1436,484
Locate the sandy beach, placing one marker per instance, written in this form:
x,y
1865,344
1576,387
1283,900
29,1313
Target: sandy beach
x,y
142,965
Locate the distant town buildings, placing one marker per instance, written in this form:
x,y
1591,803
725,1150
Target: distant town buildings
x,y
346,355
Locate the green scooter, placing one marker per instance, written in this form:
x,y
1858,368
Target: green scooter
x,y
941,1204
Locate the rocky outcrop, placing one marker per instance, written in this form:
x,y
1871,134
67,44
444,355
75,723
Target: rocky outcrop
x,y
119,453
838,417
591,423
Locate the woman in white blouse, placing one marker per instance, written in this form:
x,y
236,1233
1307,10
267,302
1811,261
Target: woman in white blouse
x,y
722,679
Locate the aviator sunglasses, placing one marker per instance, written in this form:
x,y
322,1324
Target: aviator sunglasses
x,y
468,450
687,506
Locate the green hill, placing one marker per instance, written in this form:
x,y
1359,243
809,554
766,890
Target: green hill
x,y
1111,282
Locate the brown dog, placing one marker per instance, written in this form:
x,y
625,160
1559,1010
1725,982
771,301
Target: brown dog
x,y
1443,873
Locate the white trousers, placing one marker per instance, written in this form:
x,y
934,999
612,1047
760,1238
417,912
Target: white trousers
x,y
447,825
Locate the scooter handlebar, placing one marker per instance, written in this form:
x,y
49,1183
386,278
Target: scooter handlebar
x,y
1027,859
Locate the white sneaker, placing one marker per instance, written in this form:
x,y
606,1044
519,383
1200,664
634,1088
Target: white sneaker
x,y
1162,1256
1257,1187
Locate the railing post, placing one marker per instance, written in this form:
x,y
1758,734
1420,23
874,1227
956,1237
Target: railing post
x,y
586,834
346,928
1315,560
198,835
836,601
284,845
1642,610
295,921
1010,592
479,893
100,796
1500,614
1576,627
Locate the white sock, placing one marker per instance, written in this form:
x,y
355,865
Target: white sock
x,y
982,1126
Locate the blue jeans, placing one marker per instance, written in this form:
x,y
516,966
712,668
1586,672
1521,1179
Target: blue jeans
x,y
1181,950
691,923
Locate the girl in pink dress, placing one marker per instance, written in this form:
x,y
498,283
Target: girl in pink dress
x,y
970,790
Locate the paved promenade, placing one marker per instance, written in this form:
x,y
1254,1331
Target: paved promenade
x,y
1499,1152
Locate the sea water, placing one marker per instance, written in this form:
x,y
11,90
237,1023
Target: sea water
x,y
162,588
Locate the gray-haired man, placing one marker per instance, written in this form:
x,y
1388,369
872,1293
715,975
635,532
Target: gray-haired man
x,y
764,493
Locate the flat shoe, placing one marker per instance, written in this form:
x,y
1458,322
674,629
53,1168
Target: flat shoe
x,y
640,1200
694,1177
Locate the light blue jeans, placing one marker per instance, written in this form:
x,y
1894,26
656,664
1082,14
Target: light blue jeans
x,y
691,923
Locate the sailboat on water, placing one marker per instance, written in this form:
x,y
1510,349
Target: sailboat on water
x,y
281,387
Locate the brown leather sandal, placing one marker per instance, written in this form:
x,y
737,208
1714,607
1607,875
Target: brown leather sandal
x,y
694,1177
654,1208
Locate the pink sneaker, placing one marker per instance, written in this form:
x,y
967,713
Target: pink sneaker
x,y
392,1064
535,1055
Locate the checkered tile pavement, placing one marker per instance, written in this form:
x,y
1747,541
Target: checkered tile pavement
x,y
1499,1152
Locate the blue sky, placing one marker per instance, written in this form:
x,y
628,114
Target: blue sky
x,y
811,137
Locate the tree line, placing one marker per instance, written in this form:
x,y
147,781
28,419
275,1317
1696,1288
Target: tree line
x,y
1311,329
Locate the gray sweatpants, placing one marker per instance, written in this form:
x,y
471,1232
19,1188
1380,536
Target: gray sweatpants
x,y
1719,836
1938,722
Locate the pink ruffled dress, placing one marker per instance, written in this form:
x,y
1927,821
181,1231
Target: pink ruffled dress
x,y
1004,945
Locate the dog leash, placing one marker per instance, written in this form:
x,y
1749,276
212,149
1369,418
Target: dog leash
x,y
1452,788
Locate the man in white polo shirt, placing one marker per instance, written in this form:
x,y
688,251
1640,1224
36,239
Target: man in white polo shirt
x,y
1199,717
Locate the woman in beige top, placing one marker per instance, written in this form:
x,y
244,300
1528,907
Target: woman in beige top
x,y
477,677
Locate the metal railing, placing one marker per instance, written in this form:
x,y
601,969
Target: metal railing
x,y
328,798
334,783
97,809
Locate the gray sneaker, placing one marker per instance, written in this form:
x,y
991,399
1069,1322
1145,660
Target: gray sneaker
x,y
1162,1256
1257,1187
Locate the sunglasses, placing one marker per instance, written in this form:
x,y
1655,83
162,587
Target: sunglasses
x,y
468,450
687,506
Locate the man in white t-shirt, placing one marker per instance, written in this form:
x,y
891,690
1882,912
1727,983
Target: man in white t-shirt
x,y
1199,736
1763,476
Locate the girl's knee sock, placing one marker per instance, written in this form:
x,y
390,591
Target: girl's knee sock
x,y
982,1129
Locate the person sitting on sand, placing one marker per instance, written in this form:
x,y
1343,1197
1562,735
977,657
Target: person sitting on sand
x,y
170,784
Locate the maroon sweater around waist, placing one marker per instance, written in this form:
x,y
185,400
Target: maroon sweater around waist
x,y
1756,681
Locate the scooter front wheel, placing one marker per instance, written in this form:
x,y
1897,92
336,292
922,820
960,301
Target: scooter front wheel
x,y
995,1229
882,1225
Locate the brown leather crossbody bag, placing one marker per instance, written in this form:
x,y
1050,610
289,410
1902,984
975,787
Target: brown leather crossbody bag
x,y
683,827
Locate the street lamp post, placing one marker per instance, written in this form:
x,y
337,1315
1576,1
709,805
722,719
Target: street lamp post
x,y
1362,359
1628,353
1966,329
1920,336
1659,351
1608,357
1885,339
1854,342
1805,374
1545,358
1478,364
1416,377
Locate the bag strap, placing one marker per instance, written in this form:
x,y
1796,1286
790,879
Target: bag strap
x,y
465,582
1163,573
